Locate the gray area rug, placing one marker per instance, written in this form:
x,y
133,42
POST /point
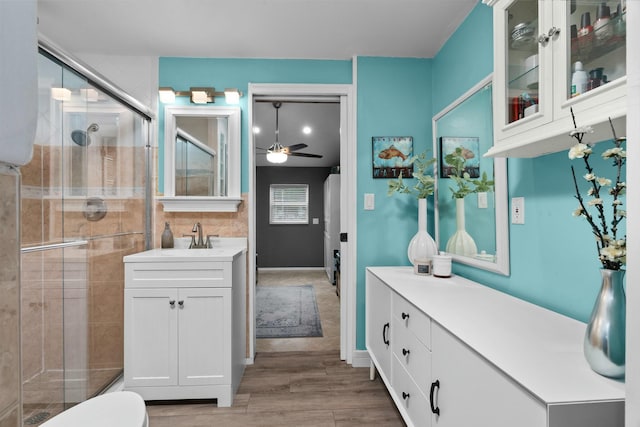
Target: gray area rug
x,y
287,312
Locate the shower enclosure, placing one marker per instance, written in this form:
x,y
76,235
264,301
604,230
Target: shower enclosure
x,y
85,205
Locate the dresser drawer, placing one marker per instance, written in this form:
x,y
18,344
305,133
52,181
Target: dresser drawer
x,y
409,317
408,395
196,274
412,354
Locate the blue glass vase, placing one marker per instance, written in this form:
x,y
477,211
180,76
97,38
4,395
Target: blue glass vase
x,y
604,341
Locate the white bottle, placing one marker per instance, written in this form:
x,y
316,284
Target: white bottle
x,y
579,80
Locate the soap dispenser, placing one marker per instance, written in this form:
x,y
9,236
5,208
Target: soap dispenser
x,y
167,237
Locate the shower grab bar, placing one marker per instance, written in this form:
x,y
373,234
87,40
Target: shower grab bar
x,y
75,243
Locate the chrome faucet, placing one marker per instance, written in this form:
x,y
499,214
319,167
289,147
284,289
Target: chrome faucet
x,y
200,243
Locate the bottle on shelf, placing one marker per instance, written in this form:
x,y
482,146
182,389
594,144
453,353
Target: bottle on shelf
x,y
602,28
579,80
166,240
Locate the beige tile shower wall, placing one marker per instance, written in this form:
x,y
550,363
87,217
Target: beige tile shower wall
x,y
10,391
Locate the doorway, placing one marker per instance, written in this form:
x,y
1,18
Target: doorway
x,y
343,95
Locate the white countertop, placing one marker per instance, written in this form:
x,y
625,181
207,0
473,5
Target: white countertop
x,y
224,249
536,347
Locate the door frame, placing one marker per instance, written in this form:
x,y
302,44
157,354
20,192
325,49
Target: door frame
x,y
348,170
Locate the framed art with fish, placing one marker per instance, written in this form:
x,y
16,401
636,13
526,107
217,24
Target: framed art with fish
x,y
459,155
392,156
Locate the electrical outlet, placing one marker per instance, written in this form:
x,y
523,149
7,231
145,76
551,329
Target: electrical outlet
x,y
517,210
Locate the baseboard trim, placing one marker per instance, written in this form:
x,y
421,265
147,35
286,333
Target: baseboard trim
x,y
360,359
289,269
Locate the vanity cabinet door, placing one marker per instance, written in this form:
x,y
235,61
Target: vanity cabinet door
x,y
378,313
150,337
204,345
471,391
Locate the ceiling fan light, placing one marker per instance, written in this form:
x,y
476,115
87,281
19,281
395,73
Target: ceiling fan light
x,y
276,157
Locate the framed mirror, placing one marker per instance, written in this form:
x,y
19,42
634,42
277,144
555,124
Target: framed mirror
x,y
471,206
201,159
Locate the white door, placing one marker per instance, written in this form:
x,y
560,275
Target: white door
x,y
472,392
150,337
204,336
378,321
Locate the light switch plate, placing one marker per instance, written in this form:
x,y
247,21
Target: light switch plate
x,y
369,201
482,200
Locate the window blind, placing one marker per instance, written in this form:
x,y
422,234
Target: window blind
x,y
289,204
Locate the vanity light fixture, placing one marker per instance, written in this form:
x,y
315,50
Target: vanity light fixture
x,y
199,95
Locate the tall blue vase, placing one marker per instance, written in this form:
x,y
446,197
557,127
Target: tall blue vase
x,y
604,341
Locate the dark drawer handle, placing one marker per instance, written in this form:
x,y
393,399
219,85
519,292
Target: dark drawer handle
x,y
172,303
405,316
181,303
434,408
405,396
385,331
405,352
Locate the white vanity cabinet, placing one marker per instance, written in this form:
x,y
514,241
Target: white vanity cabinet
x,y
464,354
185,324
536,47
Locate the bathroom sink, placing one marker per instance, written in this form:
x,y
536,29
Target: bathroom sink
x,y
225,250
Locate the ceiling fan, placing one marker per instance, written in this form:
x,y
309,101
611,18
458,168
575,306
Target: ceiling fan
x,y
278,153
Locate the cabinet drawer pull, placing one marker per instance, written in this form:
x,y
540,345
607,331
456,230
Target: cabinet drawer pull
x,y
434,408
181,303
385,332
405,316
172,303
405,396
405,351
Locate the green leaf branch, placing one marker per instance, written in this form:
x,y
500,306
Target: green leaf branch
x,y
423,173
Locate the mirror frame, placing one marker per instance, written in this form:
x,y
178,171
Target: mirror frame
x,y
228,203
501,265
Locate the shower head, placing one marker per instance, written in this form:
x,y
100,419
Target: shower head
x,y
81,137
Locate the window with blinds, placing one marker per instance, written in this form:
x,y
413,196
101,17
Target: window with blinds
x,y
289,204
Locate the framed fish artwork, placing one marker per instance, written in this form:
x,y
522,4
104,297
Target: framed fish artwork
x,y
392,156
459,155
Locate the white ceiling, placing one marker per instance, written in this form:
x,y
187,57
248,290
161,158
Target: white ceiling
x,y
309,29
295,29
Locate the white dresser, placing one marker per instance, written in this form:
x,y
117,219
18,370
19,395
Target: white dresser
x,y
185,323
456,353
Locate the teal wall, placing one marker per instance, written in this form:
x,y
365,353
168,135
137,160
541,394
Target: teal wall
x,y
183,73
394,99
553,255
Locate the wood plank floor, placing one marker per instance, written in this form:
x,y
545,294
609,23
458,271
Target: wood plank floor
x,y
294,381
311,388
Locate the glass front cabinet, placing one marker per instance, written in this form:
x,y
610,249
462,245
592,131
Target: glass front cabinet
x,y
552,57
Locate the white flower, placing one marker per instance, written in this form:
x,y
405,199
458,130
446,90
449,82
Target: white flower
x,y
622,213
589,177
579,211
604,181
617,202
590,191
581,130
614,152
578,151
613,252
593,202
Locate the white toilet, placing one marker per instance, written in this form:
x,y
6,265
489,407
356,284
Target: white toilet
x,y
120,408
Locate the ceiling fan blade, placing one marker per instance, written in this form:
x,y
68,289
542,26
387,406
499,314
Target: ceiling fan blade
x,y
316,156
295,147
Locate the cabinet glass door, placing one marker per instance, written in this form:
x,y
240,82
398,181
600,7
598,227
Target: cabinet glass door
x,y
597,31
522,53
